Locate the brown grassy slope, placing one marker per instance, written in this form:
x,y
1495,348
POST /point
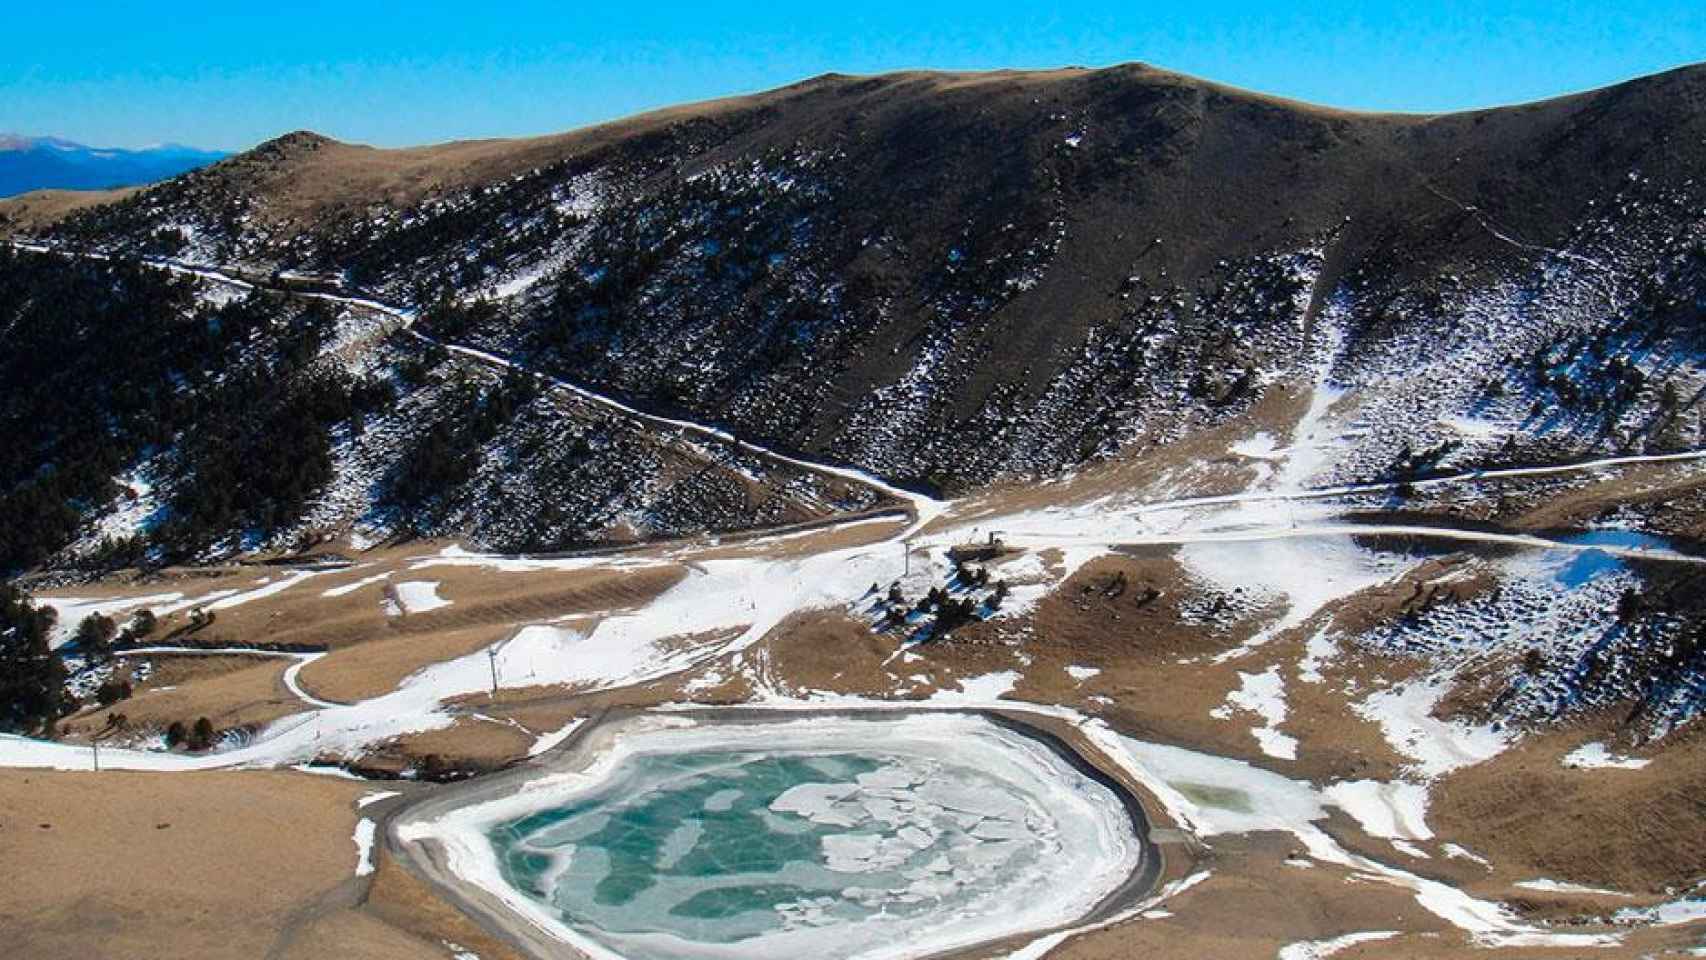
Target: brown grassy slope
x,y
1633,830
34,210
1238,147
1211,171
125,865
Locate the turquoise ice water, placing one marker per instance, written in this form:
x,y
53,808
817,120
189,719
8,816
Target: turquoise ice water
x,y
716,848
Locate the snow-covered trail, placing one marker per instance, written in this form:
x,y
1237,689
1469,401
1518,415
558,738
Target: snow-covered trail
x,y
1505,236
924,507
740,599
291,674
1045,539
1387,486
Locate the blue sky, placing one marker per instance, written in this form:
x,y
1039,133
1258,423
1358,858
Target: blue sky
x,y
232,74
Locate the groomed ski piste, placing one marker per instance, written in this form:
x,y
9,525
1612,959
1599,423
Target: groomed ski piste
x,y
1283,540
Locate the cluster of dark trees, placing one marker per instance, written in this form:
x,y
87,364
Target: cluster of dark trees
x,y
446,453
114,361
1412,464
32,677
1591,375
98,634
199,736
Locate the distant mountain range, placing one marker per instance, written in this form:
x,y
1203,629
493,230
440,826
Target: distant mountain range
x,y
42,163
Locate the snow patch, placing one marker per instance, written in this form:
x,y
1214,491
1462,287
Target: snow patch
x,y
1434,747
1319,949
1596,756
349,588
1263,694
548,740
417,596
1395,811
1544,885
364,847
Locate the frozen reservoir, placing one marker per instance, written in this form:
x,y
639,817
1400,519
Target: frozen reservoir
x,y
833,836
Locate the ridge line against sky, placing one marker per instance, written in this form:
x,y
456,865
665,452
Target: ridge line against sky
x,y
229,76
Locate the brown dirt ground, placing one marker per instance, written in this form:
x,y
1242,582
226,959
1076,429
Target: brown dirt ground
x,y
399,899
185,865
1640,484
354,935
378,666
34,210
1633,830
470,740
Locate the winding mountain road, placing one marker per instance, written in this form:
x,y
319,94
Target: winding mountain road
x,y
924,508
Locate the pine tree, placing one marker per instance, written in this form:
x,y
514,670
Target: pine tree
x,y
95,635
203,734
32,676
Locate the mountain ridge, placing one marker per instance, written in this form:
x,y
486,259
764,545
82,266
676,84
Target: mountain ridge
x,y
958,279
531,147
29,164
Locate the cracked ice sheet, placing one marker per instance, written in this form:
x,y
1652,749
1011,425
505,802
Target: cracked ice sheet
x,y
1285,805
1096,851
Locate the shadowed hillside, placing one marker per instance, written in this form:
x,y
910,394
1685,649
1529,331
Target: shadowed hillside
x,y
956,279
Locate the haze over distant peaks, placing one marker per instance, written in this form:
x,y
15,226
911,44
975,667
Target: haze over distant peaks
x,y
47,163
